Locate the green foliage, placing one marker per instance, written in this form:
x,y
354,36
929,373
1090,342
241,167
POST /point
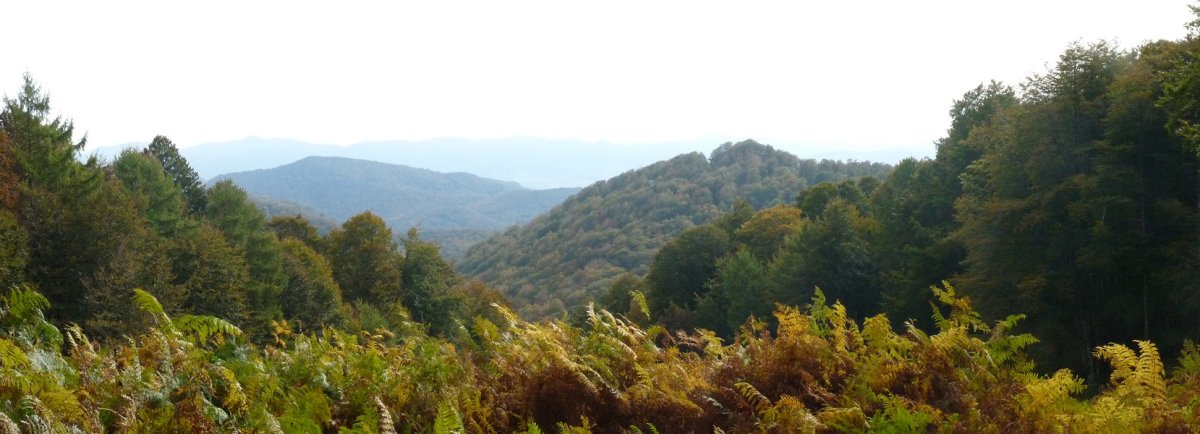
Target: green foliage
x,y
428,281
297,227
244,226
177,169
683,266
365,260
158,196
572,254
212,273
312,297
818,371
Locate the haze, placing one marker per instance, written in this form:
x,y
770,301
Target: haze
x,y
803,76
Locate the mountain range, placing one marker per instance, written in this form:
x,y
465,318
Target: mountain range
x,y
454,209
531,162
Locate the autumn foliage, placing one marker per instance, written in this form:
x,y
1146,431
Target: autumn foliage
x,y
818,371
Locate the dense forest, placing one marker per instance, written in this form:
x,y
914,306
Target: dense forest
x,y
1072,199
573,253
1038,275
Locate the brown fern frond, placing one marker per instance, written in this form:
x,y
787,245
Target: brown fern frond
x,y
7,426
756,399
386,425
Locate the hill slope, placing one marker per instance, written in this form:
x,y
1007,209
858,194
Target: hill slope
x,y
445,206
563,258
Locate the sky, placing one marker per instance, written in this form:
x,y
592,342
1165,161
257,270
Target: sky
x,y
799,75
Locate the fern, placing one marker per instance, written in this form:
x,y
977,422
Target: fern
x,y
1005,348
643,308
1150,374
448,420
24,304
146,302
1138,376
1189,359
759,402
203,327
532,428
11,356
386,425
7,426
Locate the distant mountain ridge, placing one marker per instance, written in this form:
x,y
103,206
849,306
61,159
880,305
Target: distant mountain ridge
x,y
532,162
574,252
437,203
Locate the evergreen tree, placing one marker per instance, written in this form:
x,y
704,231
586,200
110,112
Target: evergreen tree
x,y
178,169
43,147
244,226
159,199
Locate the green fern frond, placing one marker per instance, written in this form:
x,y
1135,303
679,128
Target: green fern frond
x,y
11,355
1189,359
448,420
24,304
203,327
639,301
146,302
961,312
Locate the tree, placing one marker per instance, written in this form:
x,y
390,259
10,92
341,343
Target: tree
x,y
178,169
43,148
366,263
912,248
739,214
213,274
157,196
831,252
311,297
111,249
683,266
14,250
480,301
618,298
427,282
244,226
296,227
814,199
1075,213
764,233
740,289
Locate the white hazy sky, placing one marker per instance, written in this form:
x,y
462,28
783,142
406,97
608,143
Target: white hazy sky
x,y
860,74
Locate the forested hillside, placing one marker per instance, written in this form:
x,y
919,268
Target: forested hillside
x,y
86,232
1072,199
572,253
455,209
